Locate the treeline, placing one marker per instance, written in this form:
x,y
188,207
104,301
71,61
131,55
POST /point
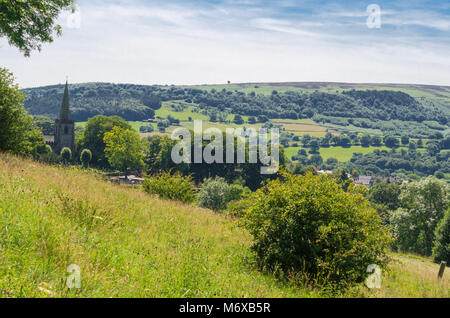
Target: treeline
x,y
402,163
131,102
138,102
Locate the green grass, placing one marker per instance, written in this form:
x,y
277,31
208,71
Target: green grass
x,y
127,243
340,153
130,244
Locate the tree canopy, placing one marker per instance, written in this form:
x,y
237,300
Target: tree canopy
x,y
29,23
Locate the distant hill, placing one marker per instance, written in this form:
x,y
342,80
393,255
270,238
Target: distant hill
x,y
274,100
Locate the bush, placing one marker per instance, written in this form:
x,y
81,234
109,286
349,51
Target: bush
x,y
86,157
66,155
173,187
212,194
308,224
441,249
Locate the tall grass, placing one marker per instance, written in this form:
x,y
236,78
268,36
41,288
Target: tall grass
x,y
130,244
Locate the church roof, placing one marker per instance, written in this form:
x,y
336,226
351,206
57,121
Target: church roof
x,y
65,110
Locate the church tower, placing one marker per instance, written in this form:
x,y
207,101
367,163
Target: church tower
x,y
64,126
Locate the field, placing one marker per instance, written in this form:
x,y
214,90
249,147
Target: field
x,y
130,244
340,153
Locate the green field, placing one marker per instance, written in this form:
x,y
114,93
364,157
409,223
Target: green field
x,y
130,244
340,153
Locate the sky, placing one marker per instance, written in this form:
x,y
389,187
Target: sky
x,y
211,42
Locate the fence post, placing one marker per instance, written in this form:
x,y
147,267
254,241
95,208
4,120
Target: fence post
x,y
442,269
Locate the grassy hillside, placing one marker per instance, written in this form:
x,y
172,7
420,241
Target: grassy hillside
x,y
129,244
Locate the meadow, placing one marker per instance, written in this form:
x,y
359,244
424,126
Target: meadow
x,y
130,244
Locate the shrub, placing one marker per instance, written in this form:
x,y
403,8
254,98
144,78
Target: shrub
x,y
308,224
173,187
86,157
212,194
441,249
66,155
234,192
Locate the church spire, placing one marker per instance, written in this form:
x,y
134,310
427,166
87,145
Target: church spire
x,y
65,111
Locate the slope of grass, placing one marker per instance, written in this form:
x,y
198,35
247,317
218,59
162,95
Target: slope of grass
x,y
126,243
130,244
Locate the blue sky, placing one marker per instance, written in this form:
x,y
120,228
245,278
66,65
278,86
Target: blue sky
x,y
198,42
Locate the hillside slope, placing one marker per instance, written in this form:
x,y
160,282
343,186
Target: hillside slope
x,y
129,244
295,100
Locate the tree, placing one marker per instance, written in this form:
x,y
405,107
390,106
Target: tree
x,y
391,142
18,133
124,149
376,141
238,120
93,136
212,194
86,157
314,146
386,194
27,24
405,140
441,249
366,140
297,226
345,141
66,155
422,206
433,148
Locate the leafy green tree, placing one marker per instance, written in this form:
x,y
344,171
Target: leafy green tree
x,y
386,194
124,149
433,148
405,140
66,155
391,142
345,141
366,140
86,157
212,194
45,124
93,136
18,133
297,226
422,206
238,120
441,249
28,24
314,146
376,141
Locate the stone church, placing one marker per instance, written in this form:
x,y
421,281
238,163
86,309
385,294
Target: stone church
x,y
64,127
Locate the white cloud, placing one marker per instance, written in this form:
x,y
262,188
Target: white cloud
x,y
182,44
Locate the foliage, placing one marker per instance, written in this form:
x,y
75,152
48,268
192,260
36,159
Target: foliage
x,y
86,157
422,206
127,101
173,187
18,133
124,149
66,155
212,194
27,24
45,124
386,194
309,224
441,249
93,136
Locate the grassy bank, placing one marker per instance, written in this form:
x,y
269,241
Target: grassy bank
x,y
129,244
